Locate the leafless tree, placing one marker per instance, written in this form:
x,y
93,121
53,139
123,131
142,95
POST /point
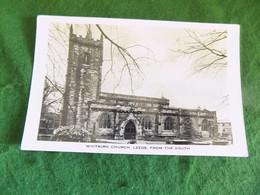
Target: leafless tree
x,y
52,96
208,50
131,64
58,49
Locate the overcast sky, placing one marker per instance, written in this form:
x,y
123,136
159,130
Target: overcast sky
x,y
164,71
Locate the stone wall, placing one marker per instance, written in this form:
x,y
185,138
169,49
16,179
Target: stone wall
x,y
187,123
83,79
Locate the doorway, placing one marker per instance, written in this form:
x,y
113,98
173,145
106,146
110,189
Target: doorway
x,y
130,130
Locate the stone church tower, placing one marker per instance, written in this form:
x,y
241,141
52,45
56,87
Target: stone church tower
x,y
83,78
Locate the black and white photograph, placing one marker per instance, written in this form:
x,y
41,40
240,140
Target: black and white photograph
x,y
135,87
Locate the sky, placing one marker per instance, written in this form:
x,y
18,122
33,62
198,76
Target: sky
x,y
163,72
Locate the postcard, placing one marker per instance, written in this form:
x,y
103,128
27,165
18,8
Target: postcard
x,y
126,86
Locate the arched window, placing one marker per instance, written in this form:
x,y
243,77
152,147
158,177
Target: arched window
x,y
168,123
85,58
104,121
147,122
205,125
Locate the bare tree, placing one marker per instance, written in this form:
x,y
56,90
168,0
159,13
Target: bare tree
x,y
208,50
57,55
52,96
131,65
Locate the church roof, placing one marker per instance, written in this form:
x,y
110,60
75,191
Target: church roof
x,y
133,97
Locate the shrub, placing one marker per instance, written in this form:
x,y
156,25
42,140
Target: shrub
x,y
73,133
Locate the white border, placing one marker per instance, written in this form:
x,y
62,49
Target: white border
x,y
29,141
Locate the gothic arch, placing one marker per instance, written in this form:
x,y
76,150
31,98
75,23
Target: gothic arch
x,y
136,122
123,124
205,125
147,122
169,123
130,130
104,121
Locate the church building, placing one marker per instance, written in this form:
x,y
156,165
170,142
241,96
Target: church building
x,y
122,116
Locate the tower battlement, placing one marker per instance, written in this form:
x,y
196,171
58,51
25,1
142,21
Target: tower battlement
x,y
86,41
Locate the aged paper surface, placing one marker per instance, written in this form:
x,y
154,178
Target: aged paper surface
x,y
135,87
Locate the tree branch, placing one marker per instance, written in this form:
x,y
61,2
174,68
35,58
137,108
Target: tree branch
x,y
205,49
